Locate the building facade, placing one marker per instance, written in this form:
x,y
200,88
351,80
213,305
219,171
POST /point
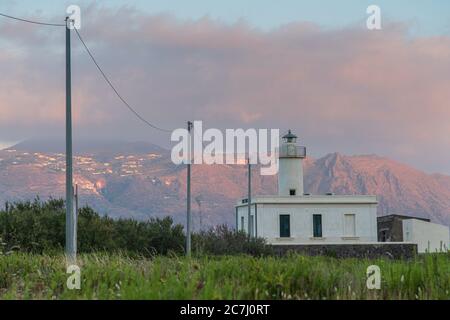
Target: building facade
x,y
429,237
390,227
311,219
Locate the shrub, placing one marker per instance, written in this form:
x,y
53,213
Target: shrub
x,y
222,240
40,227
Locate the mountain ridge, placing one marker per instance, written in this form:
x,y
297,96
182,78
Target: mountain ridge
x,y
140,181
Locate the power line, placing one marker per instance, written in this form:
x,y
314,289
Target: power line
x,y
115,90
71,237
98,67
34,22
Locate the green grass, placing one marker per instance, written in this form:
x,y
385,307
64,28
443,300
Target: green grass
x,y
116,276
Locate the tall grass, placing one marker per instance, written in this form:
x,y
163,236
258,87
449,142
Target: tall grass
x,y
117,276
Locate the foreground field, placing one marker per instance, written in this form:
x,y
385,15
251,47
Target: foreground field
x,y
103,276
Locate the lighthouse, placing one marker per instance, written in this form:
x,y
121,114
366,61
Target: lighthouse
x,y
295,218
290,173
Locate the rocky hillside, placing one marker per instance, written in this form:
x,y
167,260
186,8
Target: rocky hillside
x,y
138,180
399,188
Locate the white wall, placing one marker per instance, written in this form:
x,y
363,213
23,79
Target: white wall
x,y
430,237
333,223
243,212
290,176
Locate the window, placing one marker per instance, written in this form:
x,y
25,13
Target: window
x,y
242,223
285,226
317,225
292,192
349,225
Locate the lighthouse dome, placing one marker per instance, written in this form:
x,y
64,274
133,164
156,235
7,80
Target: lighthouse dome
x,y
290,137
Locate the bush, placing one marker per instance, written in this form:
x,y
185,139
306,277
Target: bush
x,y
222,240
33,226
40,227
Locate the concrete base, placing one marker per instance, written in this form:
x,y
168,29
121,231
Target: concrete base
x,y
390,250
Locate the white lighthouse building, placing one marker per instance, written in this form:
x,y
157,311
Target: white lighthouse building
x,y
293,217
290,172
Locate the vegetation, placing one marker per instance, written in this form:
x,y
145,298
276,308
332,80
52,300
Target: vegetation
x,y
39,227
117,276
126,259
222,240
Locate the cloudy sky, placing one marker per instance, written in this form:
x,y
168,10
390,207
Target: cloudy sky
x,y
311,66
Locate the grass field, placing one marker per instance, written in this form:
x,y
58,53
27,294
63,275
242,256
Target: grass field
x,y
116,276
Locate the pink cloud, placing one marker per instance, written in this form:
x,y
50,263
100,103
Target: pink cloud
x,y
349,90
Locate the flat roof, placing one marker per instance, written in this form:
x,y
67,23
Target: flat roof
x,y
402,216
312,199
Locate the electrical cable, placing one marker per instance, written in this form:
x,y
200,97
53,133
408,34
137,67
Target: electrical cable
x,y
115,90
98,67
34,22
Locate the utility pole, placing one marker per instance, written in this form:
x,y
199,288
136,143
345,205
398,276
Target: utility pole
x,y
76,199
188,193
75,228
70,223
198,199
249,198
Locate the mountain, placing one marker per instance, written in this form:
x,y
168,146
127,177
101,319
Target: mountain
x,y
399,188
87,147
139,180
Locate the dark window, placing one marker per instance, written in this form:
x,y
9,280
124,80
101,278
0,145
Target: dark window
x,y
242,224
285,226
383,236
317,225
292,192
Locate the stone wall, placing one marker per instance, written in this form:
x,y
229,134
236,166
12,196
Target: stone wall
x,y
370,251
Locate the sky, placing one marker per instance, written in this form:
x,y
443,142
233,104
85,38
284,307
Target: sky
x,y
430,16
311,66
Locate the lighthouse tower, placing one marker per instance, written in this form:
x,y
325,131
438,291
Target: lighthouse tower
x,y
290,172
